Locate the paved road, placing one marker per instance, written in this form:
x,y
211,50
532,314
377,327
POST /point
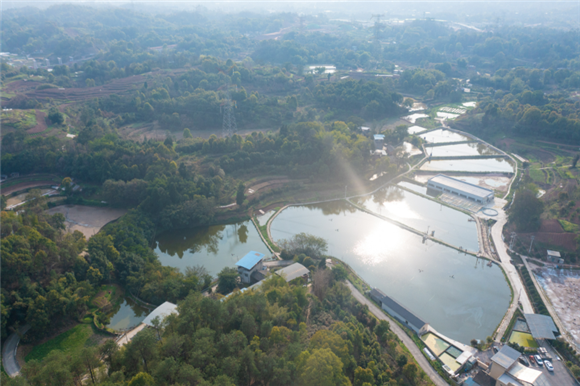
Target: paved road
x,y
9,352
512,273
560,376
407,341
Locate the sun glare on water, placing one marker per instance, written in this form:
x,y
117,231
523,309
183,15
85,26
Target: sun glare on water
x,y
378,245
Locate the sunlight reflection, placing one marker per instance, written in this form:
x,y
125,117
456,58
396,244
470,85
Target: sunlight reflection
x,y
378,245
400,209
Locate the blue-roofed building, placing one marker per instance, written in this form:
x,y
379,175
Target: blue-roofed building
x,y
379,140
249,264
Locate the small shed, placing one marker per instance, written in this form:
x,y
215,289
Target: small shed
x,y
554,257
249,264
365,130
162,312
294,271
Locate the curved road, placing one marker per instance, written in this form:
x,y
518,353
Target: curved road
x,y
407,341
9,361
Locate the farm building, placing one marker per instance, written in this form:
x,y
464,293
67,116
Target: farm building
x,y
506,369
397,311
250,264
460,188
554,257
294,271
379,140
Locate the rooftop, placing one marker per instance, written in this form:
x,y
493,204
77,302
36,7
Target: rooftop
x,y
541,326
162,311
466,187
250,260
293,271
378,136
527,375
399,309
506,357
553,253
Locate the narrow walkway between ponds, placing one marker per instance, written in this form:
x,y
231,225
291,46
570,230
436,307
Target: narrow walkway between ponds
x,y
407,341
126,338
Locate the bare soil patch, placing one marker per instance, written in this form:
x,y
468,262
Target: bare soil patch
x,y
87,219
550,226
564,240
563,289
40,123
27,185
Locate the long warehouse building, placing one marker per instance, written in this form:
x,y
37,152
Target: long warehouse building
x,y
460,188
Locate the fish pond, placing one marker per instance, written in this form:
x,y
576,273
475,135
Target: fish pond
x,y
214,247
127,314
458,294
439,136
500,164
461,150
450,225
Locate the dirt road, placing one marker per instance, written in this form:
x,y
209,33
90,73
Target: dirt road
x,y
407,341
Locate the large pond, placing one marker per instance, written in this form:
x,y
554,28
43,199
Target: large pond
x,y
422,214
127,315
464,149
499,164
459,295
438,136
213,247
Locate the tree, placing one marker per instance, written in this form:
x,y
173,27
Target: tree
x,y
401,360
240,194
3,200
305,243
187,133
227,280
55,116
321,368
67,185
321,282
142,379
143,346
89,359
526,211
575,160
410,371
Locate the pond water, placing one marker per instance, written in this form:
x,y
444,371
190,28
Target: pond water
x,y
213,247
499,164
414,117
438,136
463,149
415,129
450,225
412,150
413,187
459,295
128,314
263,219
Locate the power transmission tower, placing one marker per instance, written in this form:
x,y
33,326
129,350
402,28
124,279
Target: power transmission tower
x,y
229,126
377,31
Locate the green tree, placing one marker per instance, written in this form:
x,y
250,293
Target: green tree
x,y
526,211
227,280
143,347
3,200
240,193
410,371
142,379
55,116
321,368
67,185
187,133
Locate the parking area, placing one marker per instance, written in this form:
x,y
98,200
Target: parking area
x,y
560,376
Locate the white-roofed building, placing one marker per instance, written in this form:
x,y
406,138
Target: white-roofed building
x,y
161,312
294,271
506,369
446,184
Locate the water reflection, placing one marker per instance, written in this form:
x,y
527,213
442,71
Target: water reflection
x,y
499,164
464,149
213,247
468,305
449,225
127,314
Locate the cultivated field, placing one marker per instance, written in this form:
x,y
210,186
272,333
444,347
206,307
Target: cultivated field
x,y
563,289
87,219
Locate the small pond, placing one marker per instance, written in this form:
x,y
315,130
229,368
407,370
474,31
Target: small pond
x,y
500,164
127,315
458,294
422,214
213,247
